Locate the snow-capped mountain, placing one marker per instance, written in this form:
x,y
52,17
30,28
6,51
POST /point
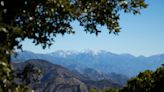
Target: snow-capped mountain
x,y
102,61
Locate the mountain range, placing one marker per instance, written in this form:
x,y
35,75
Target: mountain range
x,y
55,78
104,62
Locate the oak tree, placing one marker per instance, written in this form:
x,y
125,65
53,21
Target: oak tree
x,y
42,20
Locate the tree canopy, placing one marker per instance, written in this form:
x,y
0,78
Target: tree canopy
x,y
147,81
42,20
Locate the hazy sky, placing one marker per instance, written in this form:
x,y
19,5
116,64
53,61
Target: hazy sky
x,y
140,35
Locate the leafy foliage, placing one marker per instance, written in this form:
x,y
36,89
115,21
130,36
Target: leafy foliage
x,y
147,81
42,20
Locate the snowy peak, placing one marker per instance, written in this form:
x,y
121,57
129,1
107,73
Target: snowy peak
x,y
62,53
101,60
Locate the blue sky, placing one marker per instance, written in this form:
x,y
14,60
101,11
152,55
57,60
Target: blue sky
x,y
140,35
